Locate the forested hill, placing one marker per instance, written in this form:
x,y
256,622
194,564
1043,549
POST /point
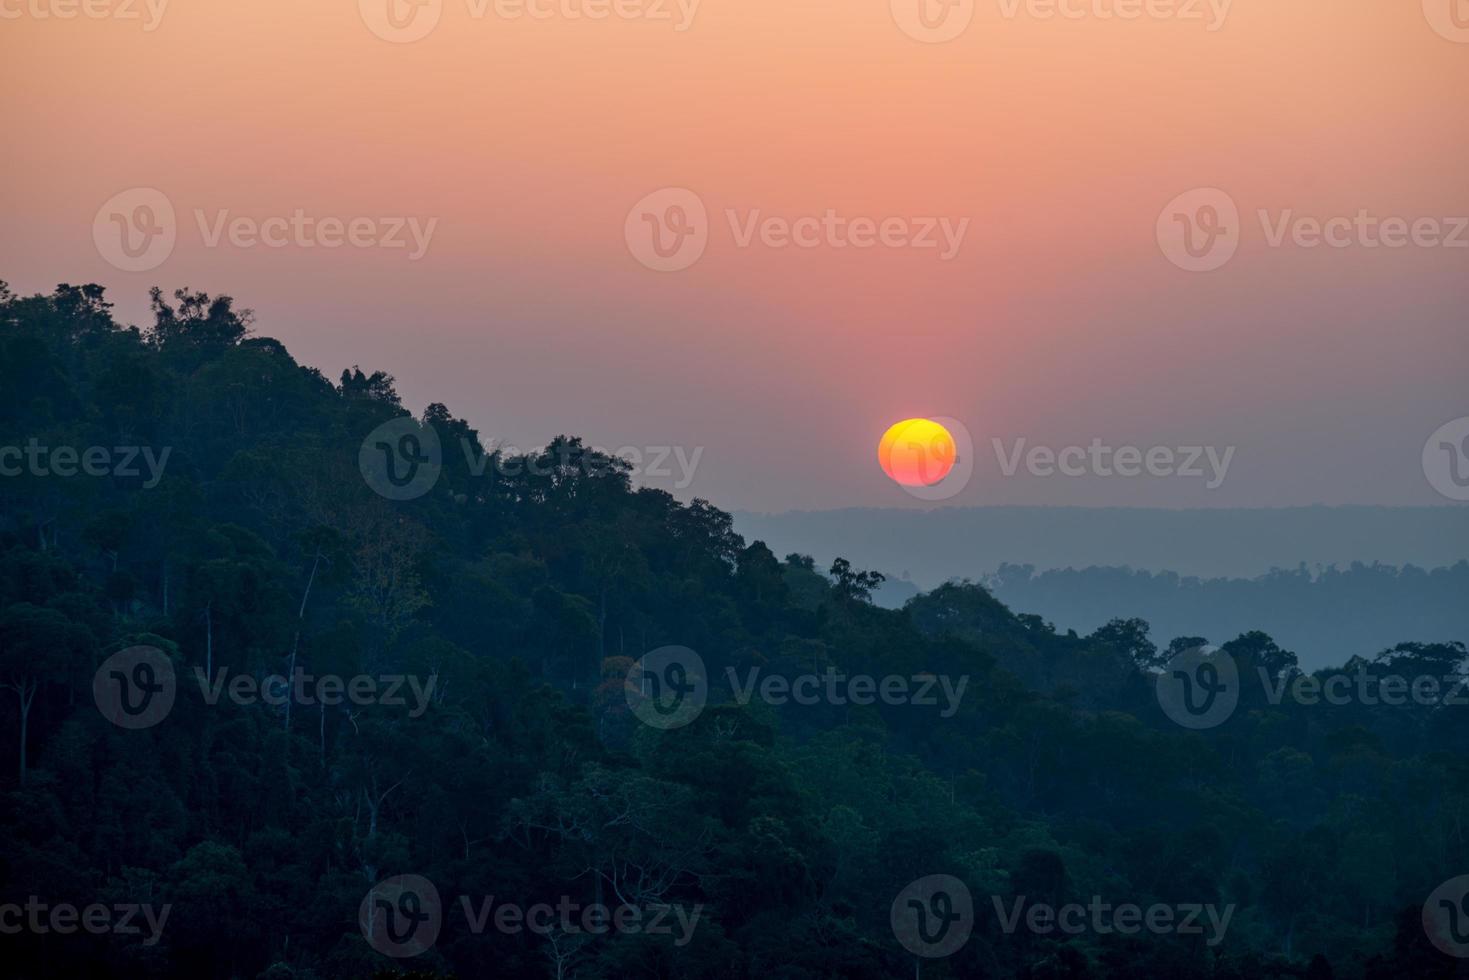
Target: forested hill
x,y
187,511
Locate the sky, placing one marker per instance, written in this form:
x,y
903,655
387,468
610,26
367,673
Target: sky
x,y
1059,223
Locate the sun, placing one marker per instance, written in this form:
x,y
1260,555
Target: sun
x,y
917,452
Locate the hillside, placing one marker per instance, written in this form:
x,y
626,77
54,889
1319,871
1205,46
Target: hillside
x,y
495,647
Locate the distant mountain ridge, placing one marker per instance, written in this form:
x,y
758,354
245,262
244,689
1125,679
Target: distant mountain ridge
x,y
1328,583
933,546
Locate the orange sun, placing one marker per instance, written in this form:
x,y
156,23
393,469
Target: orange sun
x,y
917,452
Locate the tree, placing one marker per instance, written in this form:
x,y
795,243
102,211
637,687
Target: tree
x,y
37,646
1129,637
198,321
852,585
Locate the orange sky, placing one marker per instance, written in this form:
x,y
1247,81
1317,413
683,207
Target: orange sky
x,y
1059,140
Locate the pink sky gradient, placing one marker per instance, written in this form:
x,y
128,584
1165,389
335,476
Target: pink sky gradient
x,y
1059,320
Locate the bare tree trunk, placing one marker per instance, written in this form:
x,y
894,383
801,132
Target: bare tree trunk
x,y
25,719
374,803
296,641
26,691
602,630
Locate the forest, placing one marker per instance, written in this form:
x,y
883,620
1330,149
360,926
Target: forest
x,y
256,713
1326,614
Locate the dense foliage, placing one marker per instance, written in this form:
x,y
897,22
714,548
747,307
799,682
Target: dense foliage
x,y
1325,614
528,592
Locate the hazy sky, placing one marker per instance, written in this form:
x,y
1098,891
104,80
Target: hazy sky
x,y
1047,148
